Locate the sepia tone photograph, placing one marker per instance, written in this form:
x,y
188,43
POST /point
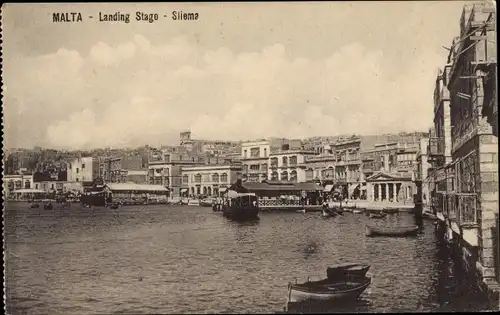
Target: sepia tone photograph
x,y
261,157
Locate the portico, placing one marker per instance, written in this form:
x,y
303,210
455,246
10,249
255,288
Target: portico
x,y
386,187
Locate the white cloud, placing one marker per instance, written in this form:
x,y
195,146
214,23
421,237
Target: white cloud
x,y
138,92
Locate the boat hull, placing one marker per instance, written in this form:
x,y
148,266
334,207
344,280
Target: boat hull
x,y
349,270
239,214
393,232
299,293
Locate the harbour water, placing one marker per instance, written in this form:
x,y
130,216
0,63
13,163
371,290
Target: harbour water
x,y
173,259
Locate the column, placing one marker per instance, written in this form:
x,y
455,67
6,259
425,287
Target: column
x,y
394,192
372,188
387,191
379,192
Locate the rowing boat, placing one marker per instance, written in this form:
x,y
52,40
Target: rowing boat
x,y
328,289
397,231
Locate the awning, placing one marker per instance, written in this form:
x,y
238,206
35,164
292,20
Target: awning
x,y
29,191
184,190
223,189
328,188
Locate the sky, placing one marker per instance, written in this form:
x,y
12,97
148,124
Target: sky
x,y
240,72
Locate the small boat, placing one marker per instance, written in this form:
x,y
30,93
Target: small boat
x,y
429,216
358,211
379,215
206,203
397,231
48,206
390,210
34,205
328,290
338,210
115,205
301,211
347,270
327,214
242,207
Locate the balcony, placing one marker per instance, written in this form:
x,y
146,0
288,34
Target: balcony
x,y
436,147
462,208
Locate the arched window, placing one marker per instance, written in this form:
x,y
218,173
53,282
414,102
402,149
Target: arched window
x,y
197,178
293,176
215,177
293,160
285,161
274,162
274,176
223,178
209,191
205,191
185,179
198,190
284,175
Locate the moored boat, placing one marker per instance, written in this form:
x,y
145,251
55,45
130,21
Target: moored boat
x,y
206,202
390,210
379,215
396,231
328,290
301,211
241,207
347,270
48,206
358,211
429,215
327,213
34,205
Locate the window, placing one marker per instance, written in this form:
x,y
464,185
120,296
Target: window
x,y
254,167
215,177
245,153
223,178
77,170
265,152
293,160
274,176
255,152
185,179
284,176
77,179
285,161
197,178
274,162
83,166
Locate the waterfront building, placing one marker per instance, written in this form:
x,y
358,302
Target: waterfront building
x,y
348,167
129,193
288,165
83,169
320,167
255,156
15,182
422,171
469,184
165,169
115,169
389,171
208,180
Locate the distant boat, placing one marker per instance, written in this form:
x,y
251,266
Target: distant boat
x,y
328,290
358,211
206,202
390,210
115,205
429,216
327,214
301,211
34,205
347,270
396,231
48,206
379,215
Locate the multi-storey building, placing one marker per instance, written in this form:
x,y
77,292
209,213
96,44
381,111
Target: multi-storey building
x,y
83,169
165,168
214,147
421,175
470,208
389,172
255,156
288,165
320,167
115,169
15,182
208,180
348,166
